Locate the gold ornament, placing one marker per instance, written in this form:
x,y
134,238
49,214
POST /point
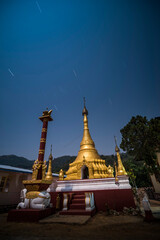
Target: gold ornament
x,y
35,168
32,194
61,175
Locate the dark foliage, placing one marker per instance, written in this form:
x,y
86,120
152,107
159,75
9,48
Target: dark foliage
x,y
141,139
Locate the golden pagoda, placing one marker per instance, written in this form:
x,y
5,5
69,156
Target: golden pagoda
x,y
49,173
88,163
120,170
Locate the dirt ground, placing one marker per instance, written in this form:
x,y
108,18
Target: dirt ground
x,y
98,227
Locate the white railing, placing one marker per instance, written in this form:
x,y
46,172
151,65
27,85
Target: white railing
x,y
89,201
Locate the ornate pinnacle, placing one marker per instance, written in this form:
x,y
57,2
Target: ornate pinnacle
x,y
50,156
46,116
51,149
84,112
115,139
116,148
84,101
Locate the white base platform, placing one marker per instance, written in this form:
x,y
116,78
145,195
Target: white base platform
x,y
93,184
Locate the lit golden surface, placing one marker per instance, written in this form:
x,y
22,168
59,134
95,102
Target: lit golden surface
x,y
43,140
49,173
89,157
32,194
44,130
41,151
61,175
121,170
36,166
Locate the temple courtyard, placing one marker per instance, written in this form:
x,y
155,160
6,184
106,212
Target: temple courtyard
x,y
97,227
100,226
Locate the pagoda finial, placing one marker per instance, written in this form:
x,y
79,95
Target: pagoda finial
x,y
85,111
51,149
116,148
84,99
115,139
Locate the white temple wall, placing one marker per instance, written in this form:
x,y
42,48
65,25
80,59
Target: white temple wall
x,y
10,194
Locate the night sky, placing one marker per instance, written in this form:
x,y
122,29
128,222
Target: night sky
x,y
53,53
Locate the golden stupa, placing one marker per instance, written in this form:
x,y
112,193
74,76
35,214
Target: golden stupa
x,y
49,173
120,170
88,163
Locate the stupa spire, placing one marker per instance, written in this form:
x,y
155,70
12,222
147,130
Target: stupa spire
x,y
120,170
87,142
88,163
49,173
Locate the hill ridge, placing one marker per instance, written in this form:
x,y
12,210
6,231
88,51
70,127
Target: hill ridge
x,y
57,164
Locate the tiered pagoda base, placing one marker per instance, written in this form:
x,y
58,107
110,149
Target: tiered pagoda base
x,y
107,193
29,215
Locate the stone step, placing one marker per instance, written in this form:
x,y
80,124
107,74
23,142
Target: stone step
x,y
77,206
77,196
79,200
77,212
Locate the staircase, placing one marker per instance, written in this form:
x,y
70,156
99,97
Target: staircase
x,y
77,206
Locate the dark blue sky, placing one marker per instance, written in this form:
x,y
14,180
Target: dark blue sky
x,y
52,53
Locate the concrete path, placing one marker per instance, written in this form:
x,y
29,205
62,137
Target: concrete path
x,y
67,219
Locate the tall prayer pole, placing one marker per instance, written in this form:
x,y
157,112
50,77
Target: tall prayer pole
x,y
39,181
45,118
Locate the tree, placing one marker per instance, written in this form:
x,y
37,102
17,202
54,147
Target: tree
x,y
137,173
141,139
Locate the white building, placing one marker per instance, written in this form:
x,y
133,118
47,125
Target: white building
x,y
11,184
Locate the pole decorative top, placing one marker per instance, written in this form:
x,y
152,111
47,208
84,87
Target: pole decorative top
x,y
46,115
50,156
